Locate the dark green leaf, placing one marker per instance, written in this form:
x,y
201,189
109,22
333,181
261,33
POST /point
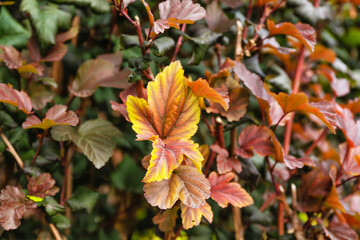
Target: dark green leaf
x,y
99,6
128,41
61,221
128,176
83,199
6,120
52,207
162,45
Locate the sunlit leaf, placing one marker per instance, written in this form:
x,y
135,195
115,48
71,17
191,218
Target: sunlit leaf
x,y
18,99
42,186
178,12
225,163
186,184
94,137
56,115
323,53
192,216
300,102
167,155
303,32
166,219
201,88
223,191
13,206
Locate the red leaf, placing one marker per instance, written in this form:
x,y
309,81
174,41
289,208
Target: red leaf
x,y
56,53
216,19
224,163
223,191
256,86
293,162
13,206
201,88
350,127
42,186
33,48
56,115
160,25
340,231
18,99
65,36
303,32
12,57
257,139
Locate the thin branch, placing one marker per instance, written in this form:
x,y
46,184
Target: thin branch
x,y
55,231
11,149
316,142
346,180
178,44
248,15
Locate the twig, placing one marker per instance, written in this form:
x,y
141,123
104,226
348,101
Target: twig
x,y
55,231
11,149
295,89
248,15
315,143
346,180
178,44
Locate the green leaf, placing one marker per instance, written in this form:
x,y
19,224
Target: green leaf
x,y
12,33
128,41
128,176
6,120
99,6
83,199
162,45
282,80
95,138
61,221
52,207
352,37
46,20
2,146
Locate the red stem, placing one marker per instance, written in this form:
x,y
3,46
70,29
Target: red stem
x,y
315,143
178,44
248,15
39,147
317,3
295,89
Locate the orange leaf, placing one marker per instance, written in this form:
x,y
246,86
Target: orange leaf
x,y
167,155
300,102
186,184
323,53
332,200
148,10
192,216
225,163
56,115
256,86
223,191
18,99
201,88
167,219
303,32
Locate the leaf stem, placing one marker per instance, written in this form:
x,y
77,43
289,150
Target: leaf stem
x,y
39,147
12,150
179,43
315,143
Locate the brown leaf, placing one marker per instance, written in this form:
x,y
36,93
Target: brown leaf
x,y
232,3
33,48
12,57
13,206
340,231
303,32
42,186
216,19
56,53
192,216
239,100
166,219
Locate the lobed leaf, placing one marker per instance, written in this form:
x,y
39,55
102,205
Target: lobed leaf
x,y
42,186
223,191
302,32
13,206
16,98
166,219
167,155
225,163
300,102
192,216
201,88
186,184
56,115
